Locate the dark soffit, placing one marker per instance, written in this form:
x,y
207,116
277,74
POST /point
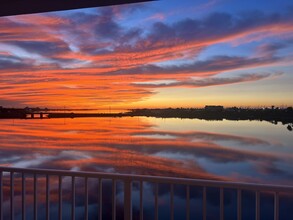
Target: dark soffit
x,y
16,7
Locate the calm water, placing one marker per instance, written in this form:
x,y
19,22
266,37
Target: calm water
x,y
249,151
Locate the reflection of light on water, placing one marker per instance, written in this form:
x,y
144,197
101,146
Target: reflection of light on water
x,y
71,132
156,136
35,161
176,155
265,131
140,145
227,169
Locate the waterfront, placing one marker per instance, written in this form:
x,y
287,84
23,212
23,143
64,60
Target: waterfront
x,y
246,151
249,151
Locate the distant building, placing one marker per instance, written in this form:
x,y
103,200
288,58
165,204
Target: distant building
x,y
232,109
214,107
27,109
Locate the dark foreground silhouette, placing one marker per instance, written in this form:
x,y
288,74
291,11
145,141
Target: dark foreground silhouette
x,y
273,115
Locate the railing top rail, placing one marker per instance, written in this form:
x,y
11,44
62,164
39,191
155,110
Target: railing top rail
x,y
157,179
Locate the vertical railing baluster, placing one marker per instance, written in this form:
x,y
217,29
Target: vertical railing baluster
x,y
239,205
172,201
187,202
257,205
204,203
141,200
47,197
156,201
15,174
11,195
23,212
86,199
1,195
276,206
113,199
100,199
35,197
73,198
127,199
221,203
60,198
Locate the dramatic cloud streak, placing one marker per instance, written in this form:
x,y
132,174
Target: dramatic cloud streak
x,y
210,81
97,57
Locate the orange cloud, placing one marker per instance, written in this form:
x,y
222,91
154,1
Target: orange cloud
x,y
46,60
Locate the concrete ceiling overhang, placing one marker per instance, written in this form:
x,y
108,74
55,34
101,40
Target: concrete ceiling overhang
x,y
16,7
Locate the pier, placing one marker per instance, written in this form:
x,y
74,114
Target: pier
x,y
39,115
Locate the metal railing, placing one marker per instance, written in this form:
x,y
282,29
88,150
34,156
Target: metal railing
x,y
19,174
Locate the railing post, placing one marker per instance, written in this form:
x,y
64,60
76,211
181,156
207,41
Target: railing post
x,y
12,196
276,206
35,198
172,201
86,199
73,198
1,195
23,195
60,198
47,197
127,200
257,203
204,203
239,205
141,200
114,199
187,202
100,199
221,203
156,201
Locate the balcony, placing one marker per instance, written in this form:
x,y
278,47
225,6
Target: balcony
x,y
41,194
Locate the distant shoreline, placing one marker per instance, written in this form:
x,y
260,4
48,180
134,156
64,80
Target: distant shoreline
x,y
273,115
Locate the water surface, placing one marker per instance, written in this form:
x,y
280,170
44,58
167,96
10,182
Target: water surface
x,y
250,151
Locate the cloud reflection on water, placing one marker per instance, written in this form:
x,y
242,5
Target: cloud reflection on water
x,y
141,146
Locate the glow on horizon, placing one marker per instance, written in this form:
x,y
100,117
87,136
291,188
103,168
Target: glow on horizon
x,y
158,54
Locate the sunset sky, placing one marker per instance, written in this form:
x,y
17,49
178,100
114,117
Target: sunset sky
x,y
168,53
